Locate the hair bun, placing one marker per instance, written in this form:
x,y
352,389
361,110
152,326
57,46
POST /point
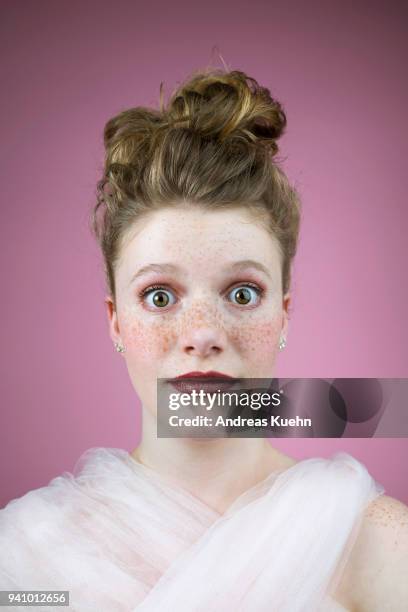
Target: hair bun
x,y
129,134
227,105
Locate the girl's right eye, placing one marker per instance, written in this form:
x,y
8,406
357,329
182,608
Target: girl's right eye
x,y
157,297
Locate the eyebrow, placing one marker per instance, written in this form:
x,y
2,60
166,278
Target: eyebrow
x,y
173,269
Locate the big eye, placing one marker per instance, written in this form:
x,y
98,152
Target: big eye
x,y
245,294
157,297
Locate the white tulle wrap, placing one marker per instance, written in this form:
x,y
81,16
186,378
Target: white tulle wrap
x,y
120,537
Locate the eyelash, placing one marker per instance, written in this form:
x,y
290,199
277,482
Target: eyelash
x,y
144,292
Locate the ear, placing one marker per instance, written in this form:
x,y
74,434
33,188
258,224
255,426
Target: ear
x,y
286,302
114,330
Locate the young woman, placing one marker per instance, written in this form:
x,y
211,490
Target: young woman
x,y
198,227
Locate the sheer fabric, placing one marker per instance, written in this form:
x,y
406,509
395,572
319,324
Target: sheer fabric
x,y
121,537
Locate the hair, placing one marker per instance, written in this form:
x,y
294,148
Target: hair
x,y
213,145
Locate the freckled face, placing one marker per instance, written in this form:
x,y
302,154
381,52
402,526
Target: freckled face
x,y
205,312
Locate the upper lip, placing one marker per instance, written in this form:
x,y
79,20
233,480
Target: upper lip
x,y
209,374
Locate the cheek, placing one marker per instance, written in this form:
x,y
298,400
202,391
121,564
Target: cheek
x,y
258,340
147,340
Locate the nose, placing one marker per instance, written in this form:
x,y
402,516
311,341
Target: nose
x,y
202,341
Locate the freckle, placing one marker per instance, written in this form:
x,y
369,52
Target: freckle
x,y
165,342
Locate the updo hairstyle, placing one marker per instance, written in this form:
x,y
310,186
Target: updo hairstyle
x,y
213,145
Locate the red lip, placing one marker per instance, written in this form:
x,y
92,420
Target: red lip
x,y
207,381
210,374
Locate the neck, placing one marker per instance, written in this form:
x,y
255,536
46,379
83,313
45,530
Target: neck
x,y
215,470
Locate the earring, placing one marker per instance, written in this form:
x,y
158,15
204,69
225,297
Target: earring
x,y
282,343
119,347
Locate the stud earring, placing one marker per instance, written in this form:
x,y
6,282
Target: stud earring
x,y
282,343
119,347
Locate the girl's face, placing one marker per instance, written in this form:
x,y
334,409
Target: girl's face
x,y
197,291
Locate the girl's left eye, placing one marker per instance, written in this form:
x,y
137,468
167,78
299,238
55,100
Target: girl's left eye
x,y
246,294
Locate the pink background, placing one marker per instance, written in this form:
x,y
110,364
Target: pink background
x,y
68,66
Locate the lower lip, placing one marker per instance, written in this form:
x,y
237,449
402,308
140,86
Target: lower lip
x,y
187,385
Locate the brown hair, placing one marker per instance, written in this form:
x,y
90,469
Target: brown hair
x,y
212,145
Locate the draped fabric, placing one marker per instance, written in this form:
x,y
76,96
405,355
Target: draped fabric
x,y
121,538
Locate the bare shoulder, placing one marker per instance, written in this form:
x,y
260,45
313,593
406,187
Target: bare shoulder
x,y
375,576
